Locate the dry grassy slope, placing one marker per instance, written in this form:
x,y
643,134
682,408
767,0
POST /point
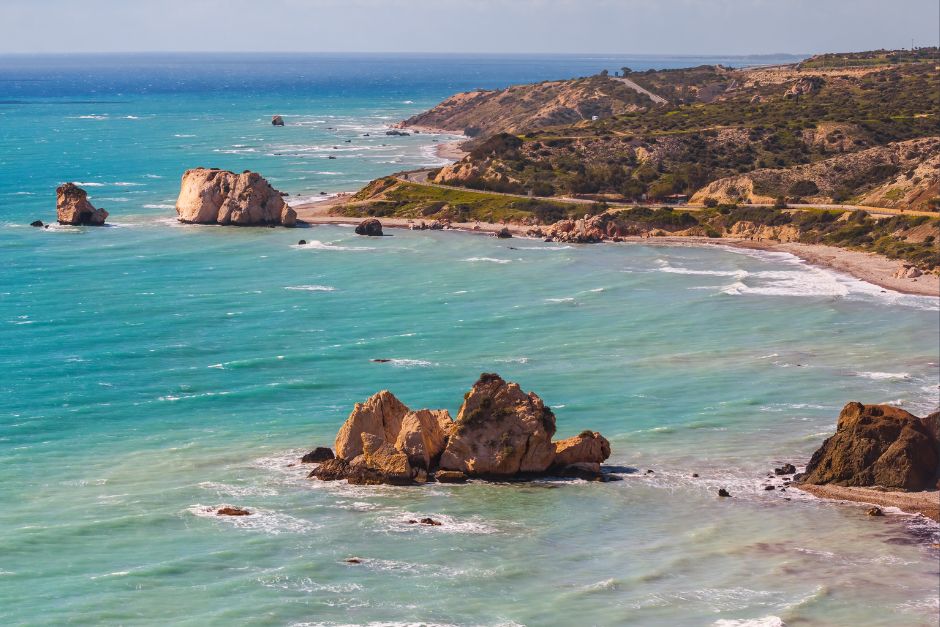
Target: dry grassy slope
x,y
909,177
527,107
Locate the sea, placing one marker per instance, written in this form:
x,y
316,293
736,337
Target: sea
x,y
151,372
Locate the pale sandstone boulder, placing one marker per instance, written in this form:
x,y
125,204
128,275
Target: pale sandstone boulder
x,y
211,196
72,207
380,462
500,430
586,447
380,416
422,437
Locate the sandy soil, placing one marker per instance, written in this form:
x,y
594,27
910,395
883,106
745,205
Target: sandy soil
x,y
926,503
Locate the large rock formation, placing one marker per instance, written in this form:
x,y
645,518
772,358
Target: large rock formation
x,y
878,445
211,196
380,416
371,227
500,430
72,207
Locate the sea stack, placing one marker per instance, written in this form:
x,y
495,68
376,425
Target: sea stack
x,y
500,433
277,120
878,445
72,207
213,196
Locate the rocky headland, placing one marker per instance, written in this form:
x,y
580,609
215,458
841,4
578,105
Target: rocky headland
x,y
879,454
212,196
501,433
73,208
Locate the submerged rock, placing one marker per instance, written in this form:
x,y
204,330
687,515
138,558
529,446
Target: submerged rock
x,y
504,233
877,445
232,511
72,207
371,227
211,196
723,492
875,511
786,469
317,455
500,430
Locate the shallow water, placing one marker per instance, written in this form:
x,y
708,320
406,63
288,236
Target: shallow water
x,y
152,371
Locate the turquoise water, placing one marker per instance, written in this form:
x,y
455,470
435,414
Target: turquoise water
x,y
153,370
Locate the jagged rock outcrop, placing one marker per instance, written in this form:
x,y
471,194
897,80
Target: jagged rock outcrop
x,y
500,430
211,196
371,227
423,435
878,445
72,207
380,416
379,463
586,447
587,230
804,87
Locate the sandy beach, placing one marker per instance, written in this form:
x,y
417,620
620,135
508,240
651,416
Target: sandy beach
x,y
926,503
869,267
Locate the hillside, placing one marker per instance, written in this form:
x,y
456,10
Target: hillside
x,y
722,124
527,107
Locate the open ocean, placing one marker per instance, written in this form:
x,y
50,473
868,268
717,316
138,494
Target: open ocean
x,y
149,370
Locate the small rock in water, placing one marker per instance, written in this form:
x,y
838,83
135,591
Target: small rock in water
x,y
695,475
277,120
723,492
769,487
317,455
650,472
431,522
504,233
353,560
380,361
875,511
786,469
370,227
232,511
37,223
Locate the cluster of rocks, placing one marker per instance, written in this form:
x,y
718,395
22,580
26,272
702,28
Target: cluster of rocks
x,y
501,433
879,445
908,271
587,230
213,196
72,207
396,133
436,225
804,87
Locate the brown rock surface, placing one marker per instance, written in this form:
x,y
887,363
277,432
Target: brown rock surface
x,y
500,430
421,437
380,416
371,227
380,462
211,196
586,447
72,207
877,445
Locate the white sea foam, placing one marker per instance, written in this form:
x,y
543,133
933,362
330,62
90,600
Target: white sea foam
x,y
236,490
488,259
882,376
270,522
765,621
411,363
311,288
318,245
672,270
159,206
398,523
560,300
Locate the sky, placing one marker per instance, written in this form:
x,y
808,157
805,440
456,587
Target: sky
x,y
681,27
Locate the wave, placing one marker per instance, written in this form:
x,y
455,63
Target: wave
x,y
411,363
735,273
488,259
318,245
267,521
560,300
882,376
765,621
159,206
311,288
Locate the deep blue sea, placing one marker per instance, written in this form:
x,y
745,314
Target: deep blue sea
x,y
150,371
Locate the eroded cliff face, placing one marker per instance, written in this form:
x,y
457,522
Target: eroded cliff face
x,y
211,196
72,207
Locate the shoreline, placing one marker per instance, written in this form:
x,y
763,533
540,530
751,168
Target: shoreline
x,y
868,267
924,503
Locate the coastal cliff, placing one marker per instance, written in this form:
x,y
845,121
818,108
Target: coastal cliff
x,y
212,196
